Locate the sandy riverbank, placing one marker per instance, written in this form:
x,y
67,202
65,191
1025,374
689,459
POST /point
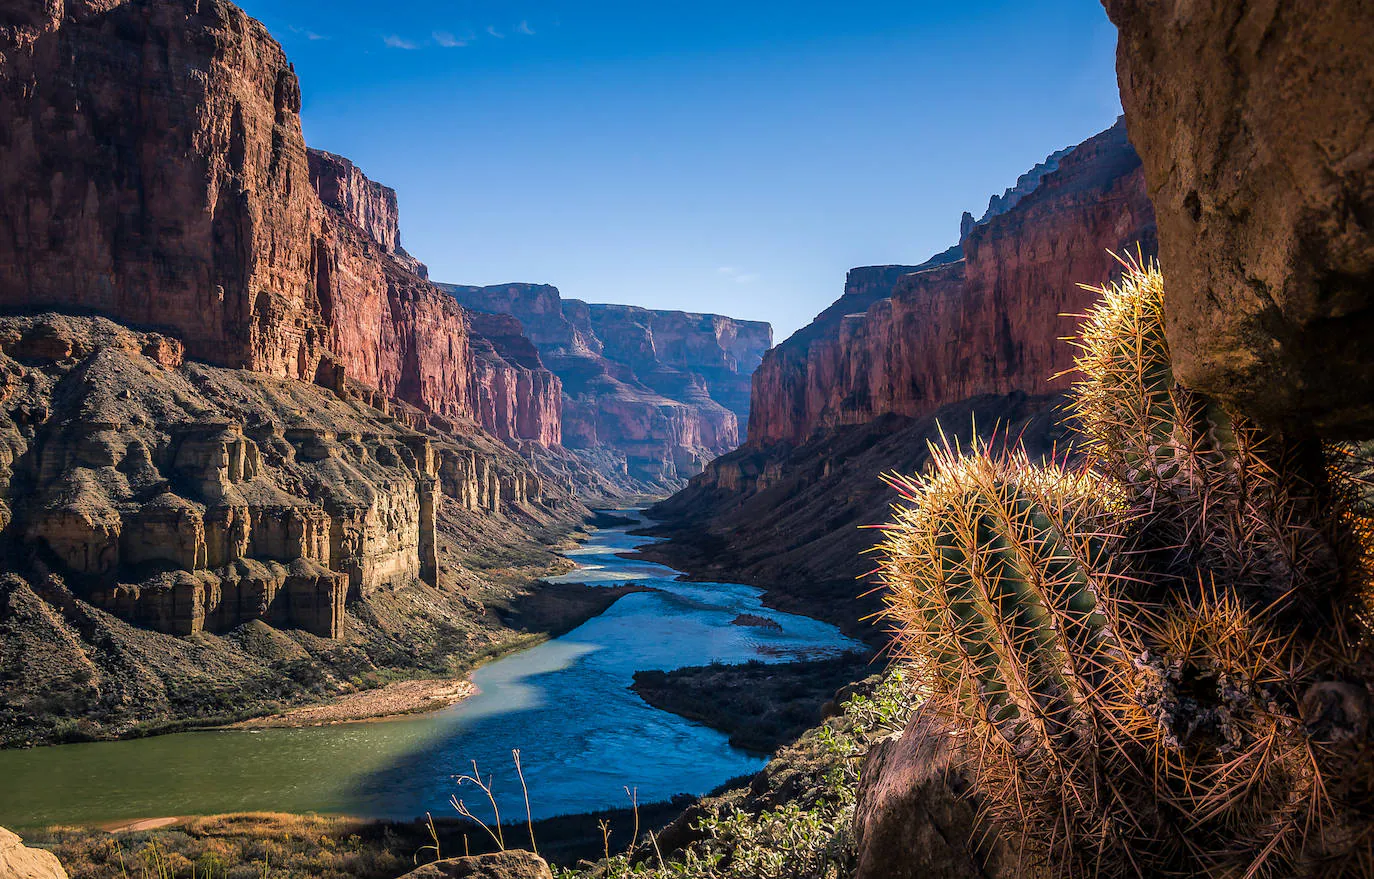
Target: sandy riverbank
x,y
393,700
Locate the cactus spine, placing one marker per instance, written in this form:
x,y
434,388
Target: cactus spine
x,y
1133,648
1002,573
1219,493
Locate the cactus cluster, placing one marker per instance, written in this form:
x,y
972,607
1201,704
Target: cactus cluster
x,y
1219,493
1149,651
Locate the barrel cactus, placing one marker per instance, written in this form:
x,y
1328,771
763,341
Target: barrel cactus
x,y
1000,574
1147,653
1218,492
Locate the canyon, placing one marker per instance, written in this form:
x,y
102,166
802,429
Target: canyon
x,y
661,393
967,342
250,454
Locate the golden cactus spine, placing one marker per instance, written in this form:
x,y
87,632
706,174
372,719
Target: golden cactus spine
x,y
1001,573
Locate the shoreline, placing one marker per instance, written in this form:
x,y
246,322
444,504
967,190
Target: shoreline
x,y
391,701
537,612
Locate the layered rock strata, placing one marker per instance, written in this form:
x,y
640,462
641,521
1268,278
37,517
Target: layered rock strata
x,y
154,172
910,340
189,498
906,354
1254,121
662,391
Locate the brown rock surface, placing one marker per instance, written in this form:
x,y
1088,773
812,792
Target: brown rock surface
x,y
908,342
662,391
913,818
502,865
1255,121
17,861
154,171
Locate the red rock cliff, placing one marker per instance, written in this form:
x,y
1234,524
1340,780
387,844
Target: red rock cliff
x,y
154,171
516,397
950,330
662,392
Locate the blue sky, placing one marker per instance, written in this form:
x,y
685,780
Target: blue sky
x,y
710,156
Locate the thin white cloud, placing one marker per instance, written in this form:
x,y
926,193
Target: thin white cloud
x,y
394,41
525,29
308,34
737,275
491,29
449,41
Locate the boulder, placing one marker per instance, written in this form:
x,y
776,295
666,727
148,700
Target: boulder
x,y
1253,120
913,818
18,861
501,865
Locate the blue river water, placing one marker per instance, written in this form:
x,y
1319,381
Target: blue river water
x,y
584,736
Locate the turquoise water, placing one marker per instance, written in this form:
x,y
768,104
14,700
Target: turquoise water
x,y
584,736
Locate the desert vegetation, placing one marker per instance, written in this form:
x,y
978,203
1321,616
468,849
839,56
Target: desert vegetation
x,y
793,822
1153,659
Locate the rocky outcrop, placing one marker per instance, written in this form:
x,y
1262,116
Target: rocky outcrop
x,y
906,353
17,861
914,817
910,340
154,171
502,865
1254,122
187,498
661,391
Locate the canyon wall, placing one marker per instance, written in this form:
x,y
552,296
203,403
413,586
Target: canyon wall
x,y
227,393
972,335
187,498
1254,121
155,172
661,392
911,340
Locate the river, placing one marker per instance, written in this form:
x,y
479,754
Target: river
x,y
584,736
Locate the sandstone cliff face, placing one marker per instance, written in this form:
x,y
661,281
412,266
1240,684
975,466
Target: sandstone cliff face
x,y
971,335
517,399
155,172
660,390
910,341
1254,122
370,206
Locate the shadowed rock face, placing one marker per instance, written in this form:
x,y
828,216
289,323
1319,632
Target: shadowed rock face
x,y
664,391
152,169
915,816
908,340
1254,122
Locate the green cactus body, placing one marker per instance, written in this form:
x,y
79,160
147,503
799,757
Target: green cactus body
x,y
1000,565
1219,494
